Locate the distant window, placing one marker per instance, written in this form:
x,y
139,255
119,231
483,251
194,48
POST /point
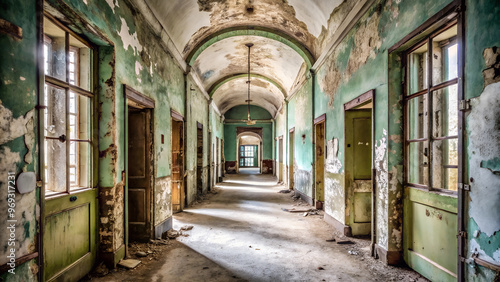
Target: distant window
x,y
431,109
248,156
67,101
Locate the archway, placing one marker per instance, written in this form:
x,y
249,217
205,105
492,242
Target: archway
x,y
249,151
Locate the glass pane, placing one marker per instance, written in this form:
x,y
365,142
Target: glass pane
x,y
444,152
444,59
80,169
417,62
417,117
84,120
55,114
79,63
55,165
445,111
54,50
445,178
418,164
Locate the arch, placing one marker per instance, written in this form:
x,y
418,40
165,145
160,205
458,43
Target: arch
x,y
228,78
260,150
273,34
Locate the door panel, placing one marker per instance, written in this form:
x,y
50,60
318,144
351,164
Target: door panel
x,y
70,238
358,170
177,166
291,160
320,162
139,174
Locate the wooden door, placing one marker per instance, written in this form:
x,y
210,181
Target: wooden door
x,y
217,163
199,159
177,166
291,157
280,159
358,169
319,160
139,174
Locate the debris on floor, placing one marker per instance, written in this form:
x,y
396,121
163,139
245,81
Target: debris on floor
x,y
320,268
187,227
129,263
101,270
330,240
141,254
172,234
305,214
352,252
344,242
300,210
285,191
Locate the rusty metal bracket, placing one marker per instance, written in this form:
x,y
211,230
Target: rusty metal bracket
x,y
462,234
464,105
465,187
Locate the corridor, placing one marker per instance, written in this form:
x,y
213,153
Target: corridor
x,y
242,234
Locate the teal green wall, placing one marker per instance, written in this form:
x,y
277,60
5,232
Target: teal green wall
x,y
18,137
230,139
241,112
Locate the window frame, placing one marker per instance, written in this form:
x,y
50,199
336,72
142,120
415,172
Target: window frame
x,y
70,88
428,139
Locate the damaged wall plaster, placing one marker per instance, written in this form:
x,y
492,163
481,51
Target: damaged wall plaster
x,y
382,190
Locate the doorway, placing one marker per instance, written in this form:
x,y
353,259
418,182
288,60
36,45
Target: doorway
x,y
217,163
199,158
280,159
291,157
319,161
178,191
139,173
358,164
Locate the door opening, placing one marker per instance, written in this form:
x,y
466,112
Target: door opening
x,y
139,173
199,159
280,159
358,165
319,161
291,158
217,162
178,193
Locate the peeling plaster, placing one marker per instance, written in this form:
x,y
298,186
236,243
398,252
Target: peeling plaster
x,y
484,138
128,39
12,128
382,189
112,4
333,164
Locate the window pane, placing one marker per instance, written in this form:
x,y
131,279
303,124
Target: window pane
x,y
80,62
56,50
417,117
80,169
445,111
55,164
444,59
444,155
417,63
55,113
418,163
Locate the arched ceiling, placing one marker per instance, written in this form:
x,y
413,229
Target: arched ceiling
x,y
211,36
234,92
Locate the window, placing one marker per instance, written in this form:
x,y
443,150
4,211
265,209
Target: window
x,y
248,154
67,108
431,109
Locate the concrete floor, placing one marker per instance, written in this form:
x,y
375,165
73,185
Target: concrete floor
x,y
241,234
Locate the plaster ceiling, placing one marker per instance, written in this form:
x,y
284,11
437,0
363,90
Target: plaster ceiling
x,y
190,23
262,93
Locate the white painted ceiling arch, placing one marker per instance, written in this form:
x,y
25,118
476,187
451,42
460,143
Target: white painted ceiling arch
x,y
262,93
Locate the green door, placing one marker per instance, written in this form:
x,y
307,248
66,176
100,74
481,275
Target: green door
x,y
358,170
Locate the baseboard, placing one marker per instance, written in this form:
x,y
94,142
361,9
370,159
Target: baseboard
x,y
304,197
339,226
112,259
388,257
163,227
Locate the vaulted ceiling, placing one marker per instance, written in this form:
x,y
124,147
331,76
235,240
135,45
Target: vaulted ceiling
x,y
211,36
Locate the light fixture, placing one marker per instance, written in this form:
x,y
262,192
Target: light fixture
x,y
249,120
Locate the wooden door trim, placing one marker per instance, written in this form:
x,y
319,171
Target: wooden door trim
x,y
142,100
320,119
176,116
363,98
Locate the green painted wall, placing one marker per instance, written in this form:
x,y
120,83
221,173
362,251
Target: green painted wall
x,y
18,137
240,112
230,139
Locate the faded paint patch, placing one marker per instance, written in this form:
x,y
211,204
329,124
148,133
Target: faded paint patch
x,y
129,39
484,138
365,46
26,210
382,190
334,196
333,164
163,199
12,128
302,180
492,60
112,4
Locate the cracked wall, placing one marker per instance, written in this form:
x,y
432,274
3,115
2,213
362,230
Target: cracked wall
x,y
18,137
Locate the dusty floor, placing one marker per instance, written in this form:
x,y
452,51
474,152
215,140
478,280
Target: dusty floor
x,y
242,234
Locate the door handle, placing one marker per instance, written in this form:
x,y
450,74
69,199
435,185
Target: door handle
x,y
62,138
72,198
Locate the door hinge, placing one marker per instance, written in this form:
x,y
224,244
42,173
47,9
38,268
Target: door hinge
x,y
464,105
467,260
465,187
462,234
39,183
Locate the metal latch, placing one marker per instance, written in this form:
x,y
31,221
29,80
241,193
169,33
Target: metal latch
x,y
464,105
465,187
462,234
467,260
